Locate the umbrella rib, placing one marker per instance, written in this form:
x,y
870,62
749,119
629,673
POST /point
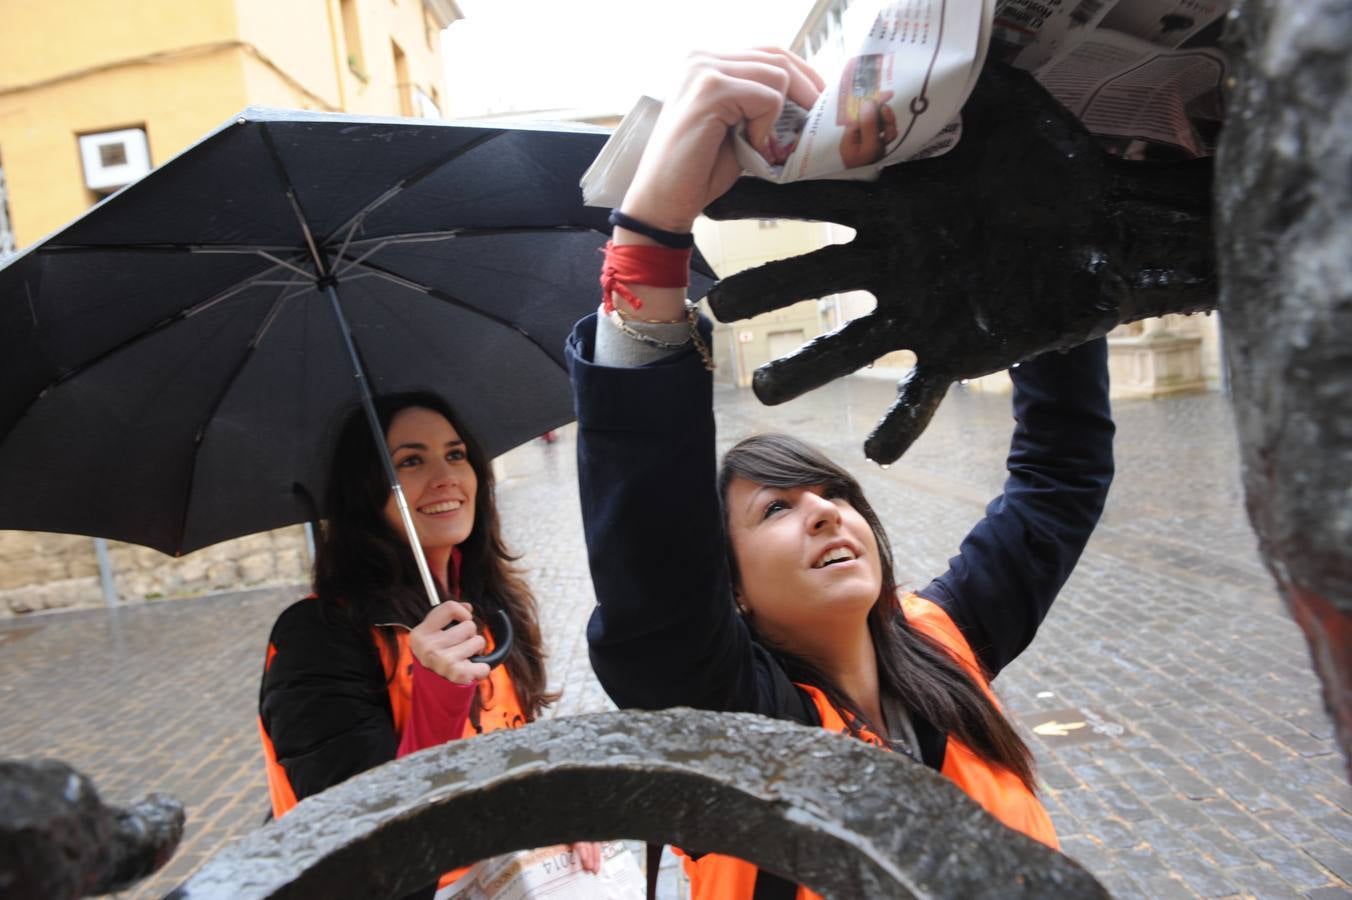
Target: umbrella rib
x,y
307,288
321,270
281,262
154,329
441,295
352,224
200,434
431,237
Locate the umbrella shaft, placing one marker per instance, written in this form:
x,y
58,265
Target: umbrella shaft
x,y
382,451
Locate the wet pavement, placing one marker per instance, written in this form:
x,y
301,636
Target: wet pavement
x,y
1182,743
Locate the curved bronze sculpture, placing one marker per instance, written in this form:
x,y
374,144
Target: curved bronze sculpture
x,y
1284,233
58,841
830,811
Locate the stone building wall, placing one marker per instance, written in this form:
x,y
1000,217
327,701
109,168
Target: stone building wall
x,y
58,571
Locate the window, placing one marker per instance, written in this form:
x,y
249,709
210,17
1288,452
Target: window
x,y
113,159
356,62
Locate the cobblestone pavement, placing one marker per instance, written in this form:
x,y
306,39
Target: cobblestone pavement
x,y
1182,744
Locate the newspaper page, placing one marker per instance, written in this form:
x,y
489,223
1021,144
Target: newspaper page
x,y
907,80
897,97
1144,76
551,872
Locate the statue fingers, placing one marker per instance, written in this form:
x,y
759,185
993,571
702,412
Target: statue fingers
x,y
918,396
830,270
821,360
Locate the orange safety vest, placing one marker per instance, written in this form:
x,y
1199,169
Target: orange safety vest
x,y
999,791
498,708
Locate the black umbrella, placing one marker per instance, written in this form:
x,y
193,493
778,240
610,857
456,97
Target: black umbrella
x,y
173,361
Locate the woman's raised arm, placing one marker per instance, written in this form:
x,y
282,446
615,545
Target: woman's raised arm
x,y
1013,563
665,632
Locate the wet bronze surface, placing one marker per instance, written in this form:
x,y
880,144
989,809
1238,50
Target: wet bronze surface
x,y
845,818
1284,213
59,841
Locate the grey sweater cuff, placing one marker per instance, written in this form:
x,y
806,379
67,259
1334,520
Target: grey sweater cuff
x,y
616,349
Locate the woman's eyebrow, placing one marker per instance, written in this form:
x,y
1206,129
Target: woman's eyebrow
x,y
755,498
410,445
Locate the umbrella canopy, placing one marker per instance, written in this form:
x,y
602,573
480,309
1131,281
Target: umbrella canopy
x,y
170,362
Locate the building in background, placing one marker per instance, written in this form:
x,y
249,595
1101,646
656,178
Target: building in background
x,y
93,93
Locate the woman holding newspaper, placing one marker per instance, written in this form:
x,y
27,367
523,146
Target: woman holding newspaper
x,y
769,587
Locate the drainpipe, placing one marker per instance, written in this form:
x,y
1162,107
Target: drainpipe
x,y
105,572
336,41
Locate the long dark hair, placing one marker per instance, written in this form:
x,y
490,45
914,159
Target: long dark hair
x,y
365,570
912,667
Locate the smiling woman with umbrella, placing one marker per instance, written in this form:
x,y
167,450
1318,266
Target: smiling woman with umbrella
x,y
360,673
202,329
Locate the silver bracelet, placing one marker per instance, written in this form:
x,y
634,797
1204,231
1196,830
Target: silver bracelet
x,y
692,318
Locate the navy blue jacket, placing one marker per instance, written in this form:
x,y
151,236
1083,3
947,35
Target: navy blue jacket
x,y
665,632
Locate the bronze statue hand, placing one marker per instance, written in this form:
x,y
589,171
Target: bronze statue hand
x,y
1024,238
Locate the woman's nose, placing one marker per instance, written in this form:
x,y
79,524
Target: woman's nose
x,y
444,476
821,511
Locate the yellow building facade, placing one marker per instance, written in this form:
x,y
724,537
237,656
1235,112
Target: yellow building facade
x,y
174,70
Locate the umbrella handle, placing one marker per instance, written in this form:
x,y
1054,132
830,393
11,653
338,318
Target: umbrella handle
x,y
504,644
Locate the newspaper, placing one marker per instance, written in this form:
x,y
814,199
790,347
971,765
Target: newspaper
x,y
897,98
1144,76
550,872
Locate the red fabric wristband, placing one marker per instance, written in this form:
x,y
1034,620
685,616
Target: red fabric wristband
x,y
627,264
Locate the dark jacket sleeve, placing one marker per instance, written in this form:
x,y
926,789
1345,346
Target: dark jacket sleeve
x,y
665,632
324,701
1012,564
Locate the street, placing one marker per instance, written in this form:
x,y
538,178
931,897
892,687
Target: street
x,y
1181,739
